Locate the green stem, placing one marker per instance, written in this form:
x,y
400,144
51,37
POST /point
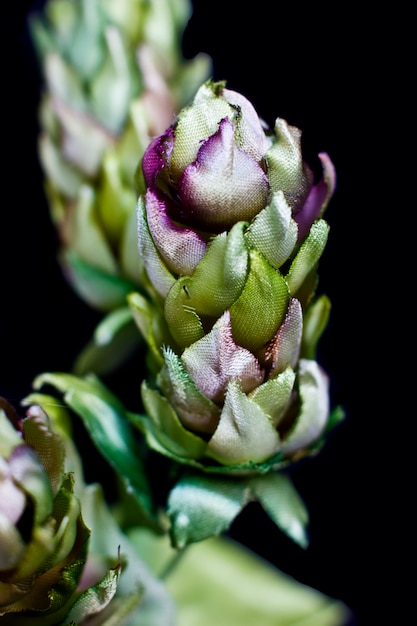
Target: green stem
x,y
172,563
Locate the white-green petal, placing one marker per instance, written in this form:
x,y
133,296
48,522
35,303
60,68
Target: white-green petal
x,y
84,46
116,83
12,546
224,184
117,201
10,437
274,395
12,499
196,411
195,123
84,143
62,175
314,411
216,359
64,82
131,262
150,323
250,135
167,433
85,235
28,472
159,275
273,231
286,169
180,248
96,598
285,347
245,432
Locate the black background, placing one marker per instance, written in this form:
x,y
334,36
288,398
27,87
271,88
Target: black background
x,y
317,67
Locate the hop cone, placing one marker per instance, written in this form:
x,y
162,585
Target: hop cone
x,y
230,232
43,538
113,76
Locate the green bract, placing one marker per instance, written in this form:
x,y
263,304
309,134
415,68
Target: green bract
x,y
230,233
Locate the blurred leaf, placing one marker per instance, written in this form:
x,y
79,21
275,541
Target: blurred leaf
x,y
99,289
282,502
104,417
140,594
219,581
115,339
202,506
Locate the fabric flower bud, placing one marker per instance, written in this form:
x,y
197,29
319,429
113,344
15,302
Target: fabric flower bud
x,y
230,231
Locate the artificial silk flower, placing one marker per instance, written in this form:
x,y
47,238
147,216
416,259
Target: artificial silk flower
x,y
230,231
43,537
64,559
113,75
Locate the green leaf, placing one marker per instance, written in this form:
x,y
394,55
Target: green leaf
x,y
115,339
116,202
48,446
259,311
163,430
105,419
219,581
308,255
139,592
95,598
220,276
98,288
282,502
315,321
202,506
183,321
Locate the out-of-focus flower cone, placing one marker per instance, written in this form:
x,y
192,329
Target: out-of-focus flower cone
x,y
44,540
113,75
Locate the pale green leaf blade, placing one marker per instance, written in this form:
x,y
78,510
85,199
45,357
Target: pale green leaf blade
x,y
105,419
283,504
221,582
308,255
203,506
